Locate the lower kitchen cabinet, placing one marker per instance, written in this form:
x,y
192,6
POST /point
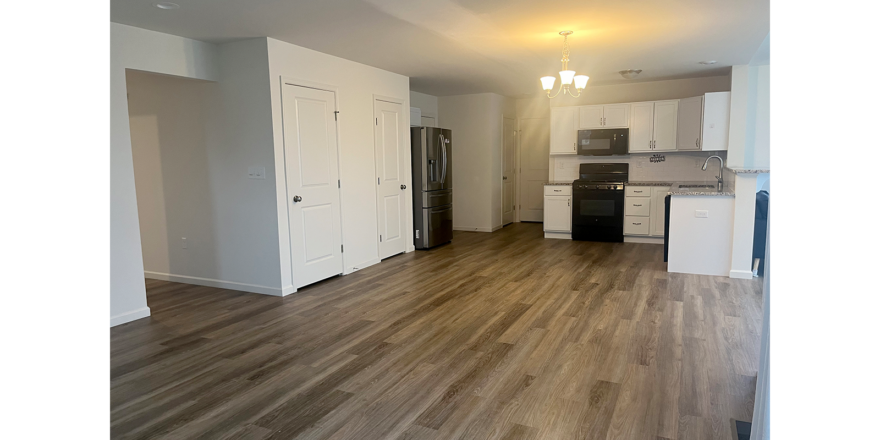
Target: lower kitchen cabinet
x,y
645,211
557,211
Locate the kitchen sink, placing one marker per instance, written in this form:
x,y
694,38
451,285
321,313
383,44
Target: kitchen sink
x,y
696,186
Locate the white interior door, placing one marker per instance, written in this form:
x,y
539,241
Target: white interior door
x,y
312,168
508,171
534,147
391,185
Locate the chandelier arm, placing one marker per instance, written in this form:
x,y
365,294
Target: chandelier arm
x,y
557,92
573,95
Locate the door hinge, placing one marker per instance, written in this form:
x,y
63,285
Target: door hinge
x,y
339,184
380,238
377,121
336,115
378,181
341,248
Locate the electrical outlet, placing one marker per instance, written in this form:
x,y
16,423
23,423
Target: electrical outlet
x,y
257,172
183,242
701,213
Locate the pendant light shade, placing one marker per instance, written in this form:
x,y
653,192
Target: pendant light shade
x,y
580,81
566,76
547,82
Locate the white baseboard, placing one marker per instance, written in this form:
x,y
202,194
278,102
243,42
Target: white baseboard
x,y
122,318
363,265
231,285
470,229
742,274
410,249
559,235
648,240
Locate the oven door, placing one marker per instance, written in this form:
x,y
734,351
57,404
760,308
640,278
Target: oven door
x,y
597,215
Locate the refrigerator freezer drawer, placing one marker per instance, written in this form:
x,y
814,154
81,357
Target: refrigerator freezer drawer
x,y
435,228
437,198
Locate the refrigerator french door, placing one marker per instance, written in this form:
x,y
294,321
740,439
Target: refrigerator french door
x,y
432,178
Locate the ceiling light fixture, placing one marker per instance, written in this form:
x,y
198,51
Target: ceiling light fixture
x,y
708,62
630,74
567,76
167,5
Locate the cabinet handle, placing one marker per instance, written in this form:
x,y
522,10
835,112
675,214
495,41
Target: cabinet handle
x,y
637,224
637,205
569,202
697,142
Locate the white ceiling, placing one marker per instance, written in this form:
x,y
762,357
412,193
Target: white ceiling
x,y
452,47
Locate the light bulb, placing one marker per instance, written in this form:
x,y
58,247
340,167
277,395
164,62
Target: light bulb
x,y
580,81
566,76
547,82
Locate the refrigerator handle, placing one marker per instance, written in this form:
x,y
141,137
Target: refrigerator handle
x,y
443,146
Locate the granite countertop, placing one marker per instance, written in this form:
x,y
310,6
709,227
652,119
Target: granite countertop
x,y
676,190
747,171
648,183
558,183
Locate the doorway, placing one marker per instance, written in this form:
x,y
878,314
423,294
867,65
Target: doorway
x,y
534,163
312,168
508,171
391,147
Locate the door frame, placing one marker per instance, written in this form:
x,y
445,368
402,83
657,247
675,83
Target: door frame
x,y
409,244
515,169
299,82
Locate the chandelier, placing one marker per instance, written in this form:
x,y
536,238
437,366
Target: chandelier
x,y
580,81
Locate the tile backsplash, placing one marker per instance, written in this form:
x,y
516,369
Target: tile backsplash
x,y
675,166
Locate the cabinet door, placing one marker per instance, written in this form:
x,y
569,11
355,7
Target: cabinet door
x,y
658,210
716,121
591,117
563,130
616,116
557,214
641,127
665,125
690,122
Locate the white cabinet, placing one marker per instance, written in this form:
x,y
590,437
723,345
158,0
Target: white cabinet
x,y
591,117
645,210
690,123
653,126
604,116
704,122
716,121
658,210
563,130
557,213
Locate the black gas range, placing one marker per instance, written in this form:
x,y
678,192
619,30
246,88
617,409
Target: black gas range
x,y
597,202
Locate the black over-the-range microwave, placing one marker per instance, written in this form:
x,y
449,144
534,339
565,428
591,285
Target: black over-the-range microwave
x,y
603,142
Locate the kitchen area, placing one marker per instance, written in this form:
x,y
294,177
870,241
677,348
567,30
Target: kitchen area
x,y
647,172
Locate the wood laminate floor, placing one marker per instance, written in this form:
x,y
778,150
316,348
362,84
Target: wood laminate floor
x,y
495,336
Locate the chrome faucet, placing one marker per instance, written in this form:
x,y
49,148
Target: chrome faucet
x,y
720,170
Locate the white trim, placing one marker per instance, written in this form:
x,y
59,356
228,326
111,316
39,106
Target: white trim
x,y
471,229
363,265
559,235
231,285
410,249
638,239
122,318
742,274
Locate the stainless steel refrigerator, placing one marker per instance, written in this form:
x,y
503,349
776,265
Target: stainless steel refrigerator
x,y
432,181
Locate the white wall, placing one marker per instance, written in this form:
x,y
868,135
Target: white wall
x,y
355,85
133,48
475,121
427,103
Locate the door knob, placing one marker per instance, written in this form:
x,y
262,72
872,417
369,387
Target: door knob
x,y
402,186
504,178
297,199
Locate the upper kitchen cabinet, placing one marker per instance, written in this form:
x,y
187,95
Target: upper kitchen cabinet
x,y
653,126
563,130
604,116
704,122
716,121
690,123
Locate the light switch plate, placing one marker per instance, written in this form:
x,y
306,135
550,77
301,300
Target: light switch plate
x,y
183,241
701,213
256,172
